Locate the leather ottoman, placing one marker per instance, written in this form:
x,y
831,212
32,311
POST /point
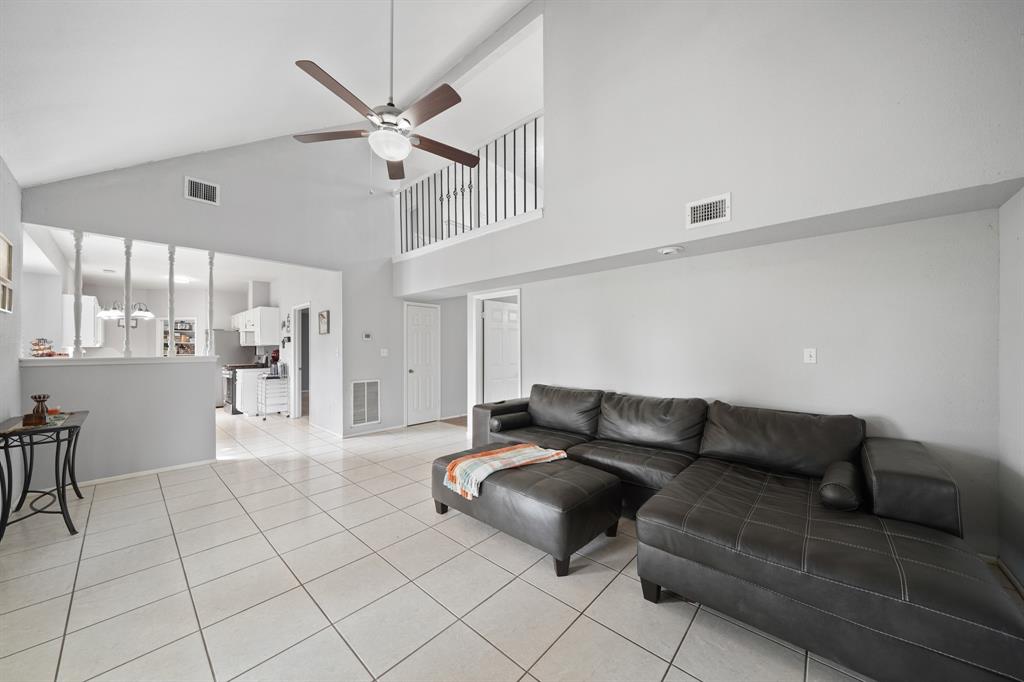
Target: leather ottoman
x,y
557,507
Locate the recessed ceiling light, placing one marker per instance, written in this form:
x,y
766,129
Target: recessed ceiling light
x,y
670,250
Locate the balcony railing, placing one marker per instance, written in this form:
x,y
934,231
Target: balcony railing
x,y
457,200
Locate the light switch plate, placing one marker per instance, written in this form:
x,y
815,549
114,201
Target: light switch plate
x,y
810,356
384,352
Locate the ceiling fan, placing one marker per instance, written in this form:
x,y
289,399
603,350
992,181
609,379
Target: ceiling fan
x,y
392,138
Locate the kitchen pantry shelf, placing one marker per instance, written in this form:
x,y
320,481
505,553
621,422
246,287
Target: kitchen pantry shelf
x,y
184,333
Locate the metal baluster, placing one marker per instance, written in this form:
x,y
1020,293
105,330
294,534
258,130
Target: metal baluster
x,y
448,197
401,224
487,179
478,190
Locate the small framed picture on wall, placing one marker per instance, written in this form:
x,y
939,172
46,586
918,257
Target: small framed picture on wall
x,y
6,275
325,321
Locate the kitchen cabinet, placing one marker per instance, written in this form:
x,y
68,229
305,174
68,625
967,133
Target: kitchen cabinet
x,y
258,326
92,327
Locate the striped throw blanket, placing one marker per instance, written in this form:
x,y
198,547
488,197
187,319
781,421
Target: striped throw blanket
x,y
465,474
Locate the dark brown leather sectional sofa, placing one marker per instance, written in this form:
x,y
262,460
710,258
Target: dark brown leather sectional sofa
x,y
869,569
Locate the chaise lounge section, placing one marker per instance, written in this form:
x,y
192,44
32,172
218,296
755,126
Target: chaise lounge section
x,y
795,523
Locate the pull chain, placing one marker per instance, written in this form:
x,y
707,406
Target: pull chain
x,y
391,77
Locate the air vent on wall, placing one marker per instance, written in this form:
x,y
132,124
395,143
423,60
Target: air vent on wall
x,y
200,190
709,211
365,402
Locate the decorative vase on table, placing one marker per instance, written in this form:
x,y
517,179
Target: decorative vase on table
x,y
38,415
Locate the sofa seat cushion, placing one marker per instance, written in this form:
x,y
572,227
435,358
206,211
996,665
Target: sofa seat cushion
x,y
643,466
543,436
908,581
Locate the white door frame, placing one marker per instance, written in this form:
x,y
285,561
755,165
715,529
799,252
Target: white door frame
x,y
474,347
405,357
295,409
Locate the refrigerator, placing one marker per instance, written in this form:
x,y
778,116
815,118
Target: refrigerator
x,y
229,352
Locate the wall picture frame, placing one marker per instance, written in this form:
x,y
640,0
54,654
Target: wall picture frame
x,y
6,275
324,317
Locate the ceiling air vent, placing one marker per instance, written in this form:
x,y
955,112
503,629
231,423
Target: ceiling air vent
x,y
200,190
365,402
709,211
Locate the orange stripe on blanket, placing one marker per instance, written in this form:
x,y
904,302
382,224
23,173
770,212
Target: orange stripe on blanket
x,y
449,470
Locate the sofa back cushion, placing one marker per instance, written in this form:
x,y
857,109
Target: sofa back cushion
x,y
672,423
787,442
566,409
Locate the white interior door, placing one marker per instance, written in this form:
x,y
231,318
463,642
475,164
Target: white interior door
x,y
501,350
423,363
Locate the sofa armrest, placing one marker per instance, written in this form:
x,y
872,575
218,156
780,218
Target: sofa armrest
x,y
483,413
512,420
907,483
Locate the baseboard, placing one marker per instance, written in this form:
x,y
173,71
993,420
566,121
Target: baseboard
x,y
147,472
320,428
454,416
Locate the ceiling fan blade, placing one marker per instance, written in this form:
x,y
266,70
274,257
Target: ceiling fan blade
x,y
448,152
439,99
396,170
337,88
332,135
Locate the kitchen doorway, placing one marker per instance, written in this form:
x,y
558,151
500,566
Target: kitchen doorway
x,y
302,360
495,347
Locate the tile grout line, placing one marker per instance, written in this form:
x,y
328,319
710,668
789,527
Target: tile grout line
x,y
71,600
679,646
304,589
181,563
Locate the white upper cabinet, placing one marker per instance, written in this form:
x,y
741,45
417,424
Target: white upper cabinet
x,y
258,326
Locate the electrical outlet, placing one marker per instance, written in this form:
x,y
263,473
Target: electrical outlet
x,y
384,352
810,356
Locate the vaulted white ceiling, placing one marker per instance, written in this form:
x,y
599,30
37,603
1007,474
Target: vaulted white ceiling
x,y
87,86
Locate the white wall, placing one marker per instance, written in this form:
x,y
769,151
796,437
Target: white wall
x,y
280,200
10,323
800,109
453,357
41,298
904,319
143,414
322,289
1011,384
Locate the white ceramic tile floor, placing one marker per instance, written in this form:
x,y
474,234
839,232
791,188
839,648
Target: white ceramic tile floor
x,y
302,556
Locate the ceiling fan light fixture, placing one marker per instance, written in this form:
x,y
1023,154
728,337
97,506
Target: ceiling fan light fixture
x,y
390,145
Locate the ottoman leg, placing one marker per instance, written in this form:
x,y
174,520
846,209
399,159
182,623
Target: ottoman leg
x,y
612,530
440,507
652,591
561,566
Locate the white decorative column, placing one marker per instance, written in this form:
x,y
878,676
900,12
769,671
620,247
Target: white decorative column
x,y
210,350
172,343
127,298
77,353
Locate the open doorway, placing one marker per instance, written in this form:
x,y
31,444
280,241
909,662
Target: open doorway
x,y
302,360
495,357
